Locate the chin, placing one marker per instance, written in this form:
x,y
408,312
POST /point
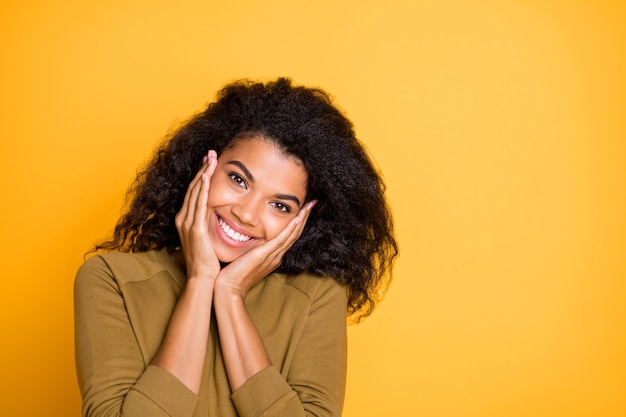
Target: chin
x,y
228,256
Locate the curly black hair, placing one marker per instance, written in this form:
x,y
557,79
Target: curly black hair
x,y
349,234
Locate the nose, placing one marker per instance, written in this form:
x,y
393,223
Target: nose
x,y
247,210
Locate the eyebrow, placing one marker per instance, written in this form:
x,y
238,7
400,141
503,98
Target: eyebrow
x,y
289,197
251,178
243,168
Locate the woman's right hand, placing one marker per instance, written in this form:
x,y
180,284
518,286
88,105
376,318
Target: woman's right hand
x,y
184,345
191,222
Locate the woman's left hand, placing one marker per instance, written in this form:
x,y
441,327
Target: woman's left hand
x,y
245,272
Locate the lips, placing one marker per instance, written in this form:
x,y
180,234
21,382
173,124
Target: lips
x,y
231,233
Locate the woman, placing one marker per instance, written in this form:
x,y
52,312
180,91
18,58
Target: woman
x,y
224,289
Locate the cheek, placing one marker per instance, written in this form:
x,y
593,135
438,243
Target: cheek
x,y
275,225
218,194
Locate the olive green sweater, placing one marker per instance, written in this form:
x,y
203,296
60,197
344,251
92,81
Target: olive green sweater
x,y
123,303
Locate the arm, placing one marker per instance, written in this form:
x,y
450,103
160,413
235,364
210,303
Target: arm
x,y
316,387
184,345
111,366
242,347
183,349
313,382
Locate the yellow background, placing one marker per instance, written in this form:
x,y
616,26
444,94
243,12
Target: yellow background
x,y
499,127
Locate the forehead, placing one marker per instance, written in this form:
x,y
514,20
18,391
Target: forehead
x,y
267,162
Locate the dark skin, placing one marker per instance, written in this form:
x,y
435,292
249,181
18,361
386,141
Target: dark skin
x,y
214,280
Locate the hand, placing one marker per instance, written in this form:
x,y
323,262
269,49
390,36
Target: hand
x,y
246,271
191,222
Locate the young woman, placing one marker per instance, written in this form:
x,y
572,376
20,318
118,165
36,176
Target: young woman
x,y
224,291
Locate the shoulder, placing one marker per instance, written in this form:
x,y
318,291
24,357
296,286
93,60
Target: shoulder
x,y
285,306
317,289
124,267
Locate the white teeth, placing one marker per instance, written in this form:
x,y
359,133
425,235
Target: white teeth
x,y
231,233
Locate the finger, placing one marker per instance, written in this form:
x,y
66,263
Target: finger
x,y
199,214
189,214
277,247
300,220
293,231
200,181
304,211
211,163
196,178
190,201
296,225
185,206
203,192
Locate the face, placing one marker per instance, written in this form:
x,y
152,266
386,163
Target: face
x,y
254,192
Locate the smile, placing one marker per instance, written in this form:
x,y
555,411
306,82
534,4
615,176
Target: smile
x,y
231,233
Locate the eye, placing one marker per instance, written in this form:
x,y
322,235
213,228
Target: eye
x,y
238,180
281,207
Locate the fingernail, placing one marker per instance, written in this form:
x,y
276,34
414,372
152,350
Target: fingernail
x,y
311,204
206,158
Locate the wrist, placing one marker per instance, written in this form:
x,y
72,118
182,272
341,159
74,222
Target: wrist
x,y
200,283
203,273
228,292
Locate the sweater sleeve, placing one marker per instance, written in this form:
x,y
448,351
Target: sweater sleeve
x,y
113,375
315,382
